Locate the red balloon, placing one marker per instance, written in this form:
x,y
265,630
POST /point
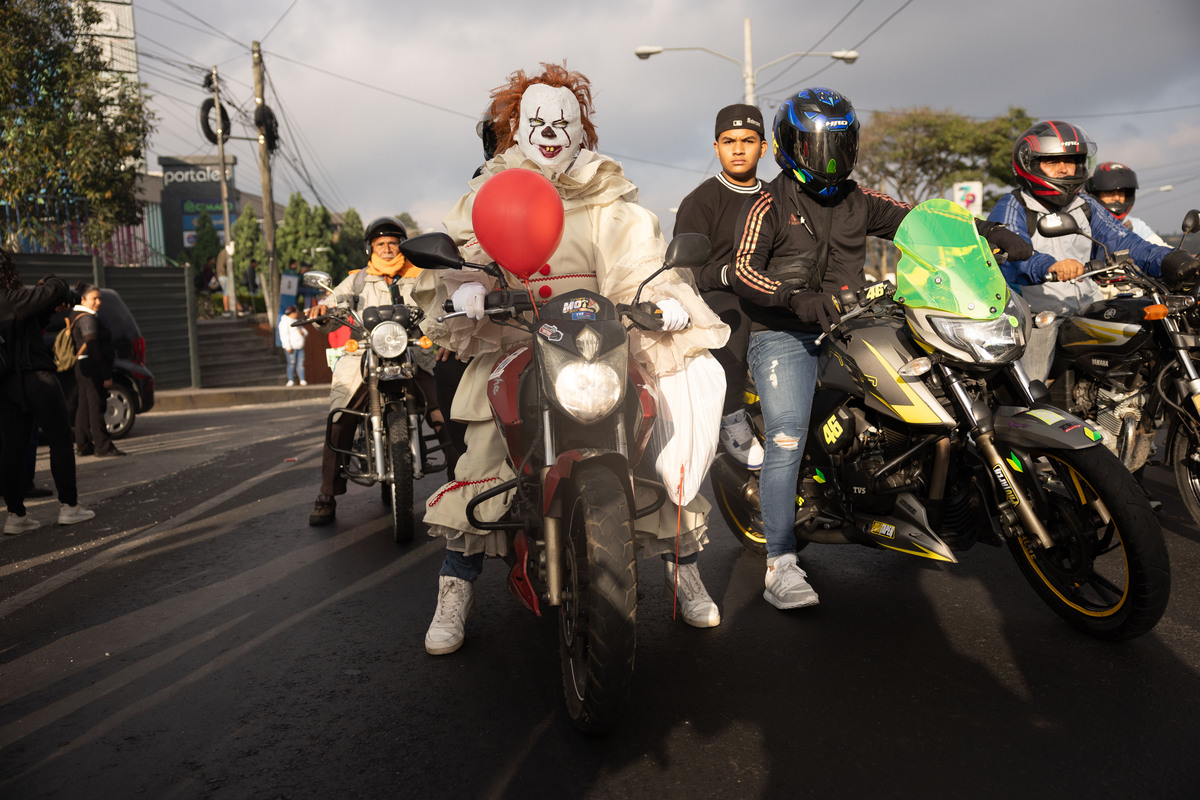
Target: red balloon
x,y
518,219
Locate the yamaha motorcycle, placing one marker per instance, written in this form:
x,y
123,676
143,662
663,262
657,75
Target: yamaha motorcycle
x,y
1130,364
927,436
576,413
392,446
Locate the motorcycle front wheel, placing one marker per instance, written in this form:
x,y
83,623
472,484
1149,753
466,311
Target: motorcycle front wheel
x,y
1183,453
1107,573
598,616
400,490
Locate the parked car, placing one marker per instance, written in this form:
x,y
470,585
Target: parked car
x,y
132,390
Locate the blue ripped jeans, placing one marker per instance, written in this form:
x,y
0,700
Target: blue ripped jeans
x,y
784,366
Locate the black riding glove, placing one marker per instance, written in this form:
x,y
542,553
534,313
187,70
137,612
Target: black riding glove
x,y
815,308
1004,240
1179,266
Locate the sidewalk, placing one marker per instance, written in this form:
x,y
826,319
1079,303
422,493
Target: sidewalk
x,y
192,399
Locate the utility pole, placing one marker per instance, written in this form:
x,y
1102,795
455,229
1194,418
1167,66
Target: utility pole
x,y
221,134
268,209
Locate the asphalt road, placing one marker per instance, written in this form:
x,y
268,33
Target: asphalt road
x,y
199,639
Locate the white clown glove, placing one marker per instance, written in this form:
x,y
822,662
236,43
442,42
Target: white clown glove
x,y
468,298
674,317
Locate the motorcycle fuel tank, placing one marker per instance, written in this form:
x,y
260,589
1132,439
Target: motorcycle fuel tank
x,y
1115,327
868,365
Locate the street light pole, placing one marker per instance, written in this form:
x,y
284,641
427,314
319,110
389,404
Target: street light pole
x,y
749,73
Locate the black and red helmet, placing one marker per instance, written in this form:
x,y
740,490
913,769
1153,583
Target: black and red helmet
x,y
1052,139
1109,177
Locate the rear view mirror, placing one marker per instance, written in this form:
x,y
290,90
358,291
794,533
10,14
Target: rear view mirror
x,y
432,251
1051,225
318,280
1191,222
688,250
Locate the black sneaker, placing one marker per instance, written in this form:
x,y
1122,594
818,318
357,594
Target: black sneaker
x,y
323,511
38,491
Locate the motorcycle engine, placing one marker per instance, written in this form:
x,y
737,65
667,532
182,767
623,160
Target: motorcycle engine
x,y
1108,410
860,462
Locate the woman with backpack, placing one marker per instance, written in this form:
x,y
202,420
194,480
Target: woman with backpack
x,y
93,375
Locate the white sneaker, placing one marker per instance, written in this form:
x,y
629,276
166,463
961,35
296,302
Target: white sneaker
x,y
69,515
786,584
739,440
695,606
15,524
290,383
304,383
456,602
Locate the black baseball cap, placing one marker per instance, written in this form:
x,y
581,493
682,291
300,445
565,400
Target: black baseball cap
x,y
739,115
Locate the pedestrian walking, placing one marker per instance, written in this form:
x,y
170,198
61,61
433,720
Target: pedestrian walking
x,y
292,340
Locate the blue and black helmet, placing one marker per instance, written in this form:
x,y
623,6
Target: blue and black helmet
x,y
816,139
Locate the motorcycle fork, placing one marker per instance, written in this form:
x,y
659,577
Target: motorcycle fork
x,y
551,525
375,416
984,434
1190,382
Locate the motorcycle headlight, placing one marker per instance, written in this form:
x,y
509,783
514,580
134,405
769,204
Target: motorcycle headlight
x,y
991,341
587,390
389,339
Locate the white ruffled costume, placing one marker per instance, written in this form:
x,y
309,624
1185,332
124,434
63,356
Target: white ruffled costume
x,y
610,244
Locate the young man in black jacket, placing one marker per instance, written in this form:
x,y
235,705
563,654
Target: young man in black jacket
x,y
712,209
800,241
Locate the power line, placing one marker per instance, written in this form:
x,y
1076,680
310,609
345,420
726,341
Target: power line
x,y
183,10
814,45
281,16
376,87
854,46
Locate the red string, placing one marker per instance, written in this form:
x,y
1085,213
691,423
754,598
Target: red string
x,y
678,526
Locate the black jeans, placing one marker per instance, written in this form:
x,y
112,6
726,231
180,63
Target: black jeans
x,y
44,404
90,433
731,357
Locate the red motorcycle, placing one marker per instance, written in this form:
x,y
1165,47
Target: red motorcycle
x,y
576,413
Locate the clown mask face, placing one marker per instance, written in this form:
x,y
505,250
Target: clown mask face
x,y
550,127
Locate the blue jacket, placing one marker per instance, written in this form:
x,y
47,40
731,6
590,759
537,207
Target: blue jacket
x,y
1105,228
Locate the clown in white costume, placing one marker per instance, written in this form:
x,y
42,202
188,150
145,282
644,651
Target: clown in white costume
x,y
609,244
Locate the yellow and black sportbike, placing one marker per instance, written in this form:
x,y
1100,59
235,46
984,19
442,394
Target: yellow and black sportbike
x,y
926,437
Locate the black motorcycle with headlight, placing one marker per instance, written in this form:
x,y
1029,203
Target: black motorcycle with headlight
x,y
927,436
392,446
1130,364
575,411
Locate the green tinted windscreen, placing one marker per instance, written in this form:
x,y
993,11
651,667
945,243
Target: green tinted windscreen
x,y
946,265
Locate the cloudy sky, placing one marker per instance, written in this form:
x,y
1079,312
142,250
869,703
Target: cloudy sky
x,y
378,99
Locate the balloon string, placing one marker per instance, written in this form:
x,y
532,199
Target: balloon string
x,y
532,302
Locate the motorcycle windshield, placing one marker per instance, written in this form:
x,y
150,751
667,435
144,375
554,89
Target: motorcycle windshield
x,y
946,265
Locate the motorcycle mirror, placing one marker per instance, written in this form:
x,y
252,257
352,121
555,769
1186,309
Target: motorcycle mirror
x,y
1191,222
432,251
1051,225
318,280
687,250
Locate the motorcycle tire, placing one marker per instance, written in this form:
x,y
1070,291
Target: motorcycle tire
x,y
598,617
1108,579
400,488
742,515
1183,448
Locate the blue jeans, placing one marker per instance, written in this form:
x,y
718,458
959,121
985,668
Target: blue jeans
x,y
457,565
295,363
784,366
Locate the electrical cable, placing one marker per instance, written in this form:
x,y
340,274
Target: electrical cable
x,y
812,47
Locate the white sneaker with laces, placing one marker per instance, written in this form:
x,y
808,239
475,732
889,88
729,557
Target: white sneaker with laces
x,y
16,524
786,584
456,602
695,606
69,515
739,440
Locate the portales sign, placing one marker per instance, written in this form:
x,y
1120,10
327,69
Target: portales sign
x,y
192,186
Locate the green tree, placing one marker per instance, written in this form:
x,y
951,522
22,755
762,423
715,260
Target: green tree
x,y
69,127
917,153
348,245
248,242
208,243
304,231
409,223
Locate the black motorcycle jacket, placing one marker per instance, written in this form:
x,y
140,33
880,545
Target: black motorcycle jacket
x,y
789,241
